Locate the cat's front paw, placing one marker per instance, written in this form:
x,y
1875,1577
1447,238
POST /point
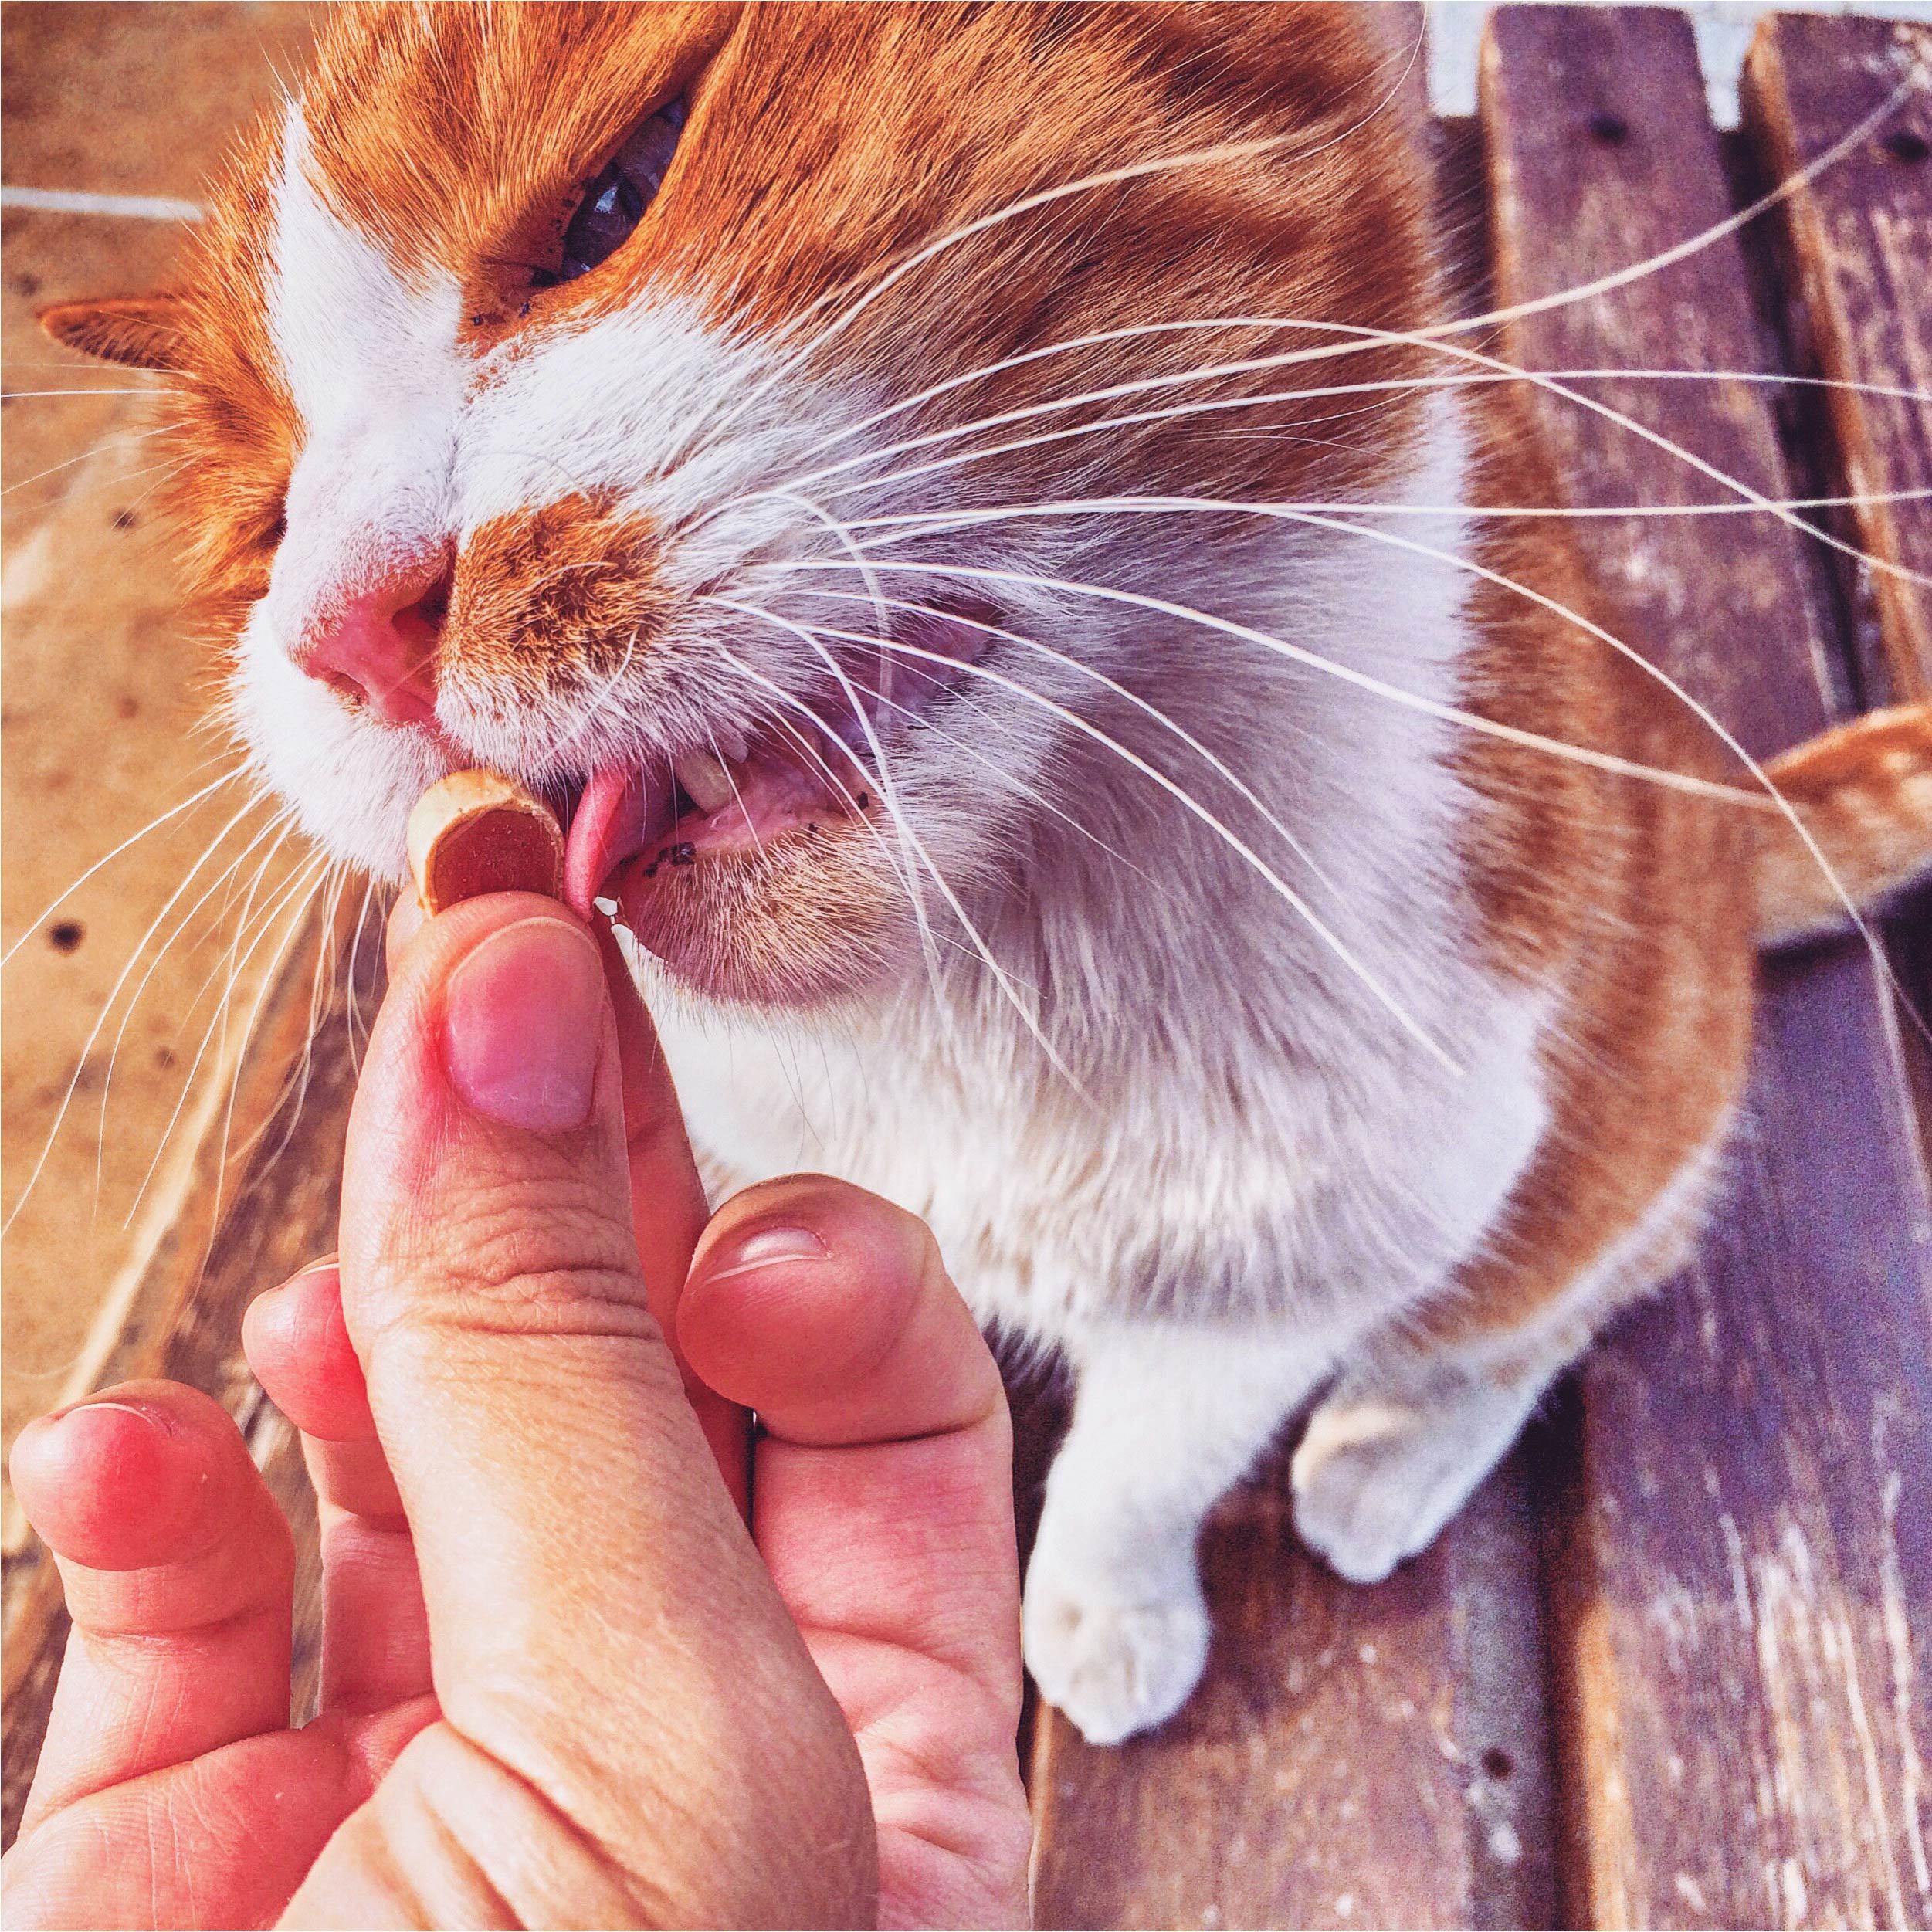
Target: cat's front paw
x,y
1114,1665
1376,1478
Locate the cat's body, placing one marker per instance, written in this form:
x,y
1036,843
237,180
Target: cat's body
x,y
1263,1028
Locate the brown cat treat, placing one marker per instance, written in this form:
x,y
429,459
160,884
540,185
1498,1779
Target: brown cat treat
x,y
477,832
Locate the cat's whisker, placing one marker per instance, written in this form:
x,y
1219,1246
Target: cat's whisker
x,y
116,483
1103,338
1219,152
107,1007
100,449
847,541
1474,721
352,1008
1605,284
909,841
1554,386
270,970
27,395
737,797
281,819
595,710
1282,889
293,1096
134,838
907,523
807,747
899,866
1503,370
219,1018
1216,405
1011,782
1028,1017
1348,674
329,957
1218,765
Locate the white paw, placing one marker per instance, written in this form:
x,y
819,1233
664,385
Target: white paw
x,y
1114,1667
1375,1480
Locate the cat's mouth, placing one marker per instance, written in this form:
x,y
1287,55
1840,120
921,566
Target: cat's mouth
x,y
815,766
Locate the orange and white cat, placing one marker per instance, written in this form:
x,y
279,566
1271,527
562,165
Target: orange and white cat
x,y
913,483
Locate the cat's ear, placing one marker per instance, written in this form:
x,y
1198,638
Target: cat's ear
x,y
140,331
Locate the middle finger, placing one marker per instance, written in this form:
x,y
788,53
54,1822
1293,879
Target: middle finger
x,y
375,1635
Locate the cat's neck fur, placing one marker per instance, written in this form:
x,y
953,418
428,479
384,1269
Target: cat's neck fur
x,y
1193,1008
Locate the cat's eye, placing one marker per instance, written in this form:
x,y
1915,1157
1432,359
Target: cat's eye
x,y
613,204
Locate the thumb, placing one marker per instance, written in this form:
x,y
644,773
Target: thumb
x,y
594,1602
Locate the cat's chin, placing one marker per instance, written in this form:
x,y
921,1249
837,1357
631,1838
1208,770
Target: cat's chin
x,y
805,922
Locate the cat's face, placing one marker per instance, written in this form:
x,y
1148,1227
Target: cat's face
x,y
545,369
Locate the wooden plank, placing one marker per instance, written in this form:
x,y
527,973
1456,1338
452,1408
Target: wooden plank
x,y
106,681
1353,1757
283,1192
1741,1610
1861,235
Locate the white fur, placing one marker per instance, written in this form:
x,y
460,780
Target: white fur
x,y
1400,1444
369,358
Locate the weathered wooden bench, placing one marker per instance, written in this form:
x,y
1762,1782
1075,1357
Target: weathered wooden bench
x,y
1672,1666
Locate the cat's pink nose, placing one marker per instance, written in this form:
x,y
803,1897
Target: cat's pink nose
x,y
380,654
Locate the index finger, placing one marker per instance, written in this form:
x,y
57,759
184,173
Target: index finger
x,y
668,1204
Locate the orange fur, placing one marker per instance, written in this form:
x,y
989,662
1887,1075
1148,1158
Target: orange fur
x,y
576,568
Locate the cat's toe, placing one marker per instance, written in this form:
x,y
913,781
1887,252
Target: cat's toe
x,y
1114,1667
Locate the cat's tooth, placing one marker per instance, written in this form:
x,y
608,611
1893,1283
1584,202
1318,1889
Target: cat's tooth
x,y
707,781
734,746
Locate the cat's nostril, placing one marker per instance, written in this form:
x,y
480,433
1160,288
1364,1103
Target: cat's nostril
x,y
424,618
380,654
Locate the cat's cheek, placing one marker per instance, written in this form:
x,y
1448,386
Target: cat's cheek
x,y
350,783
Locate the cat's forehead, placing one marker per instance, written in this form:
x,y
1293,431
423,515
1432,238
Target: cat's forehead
x,y
435,129
821,137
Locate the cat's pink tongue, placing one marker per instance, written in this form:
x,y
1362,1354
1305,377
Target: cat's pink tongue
x,y
626,826
616,814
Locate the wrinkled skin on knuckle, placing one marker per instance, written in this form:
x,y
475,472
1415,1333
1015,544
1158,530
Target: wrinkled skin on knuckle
x,y
541,1252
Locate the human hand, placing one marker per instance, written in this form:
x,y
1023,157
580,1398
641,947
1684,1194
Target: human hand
x,y
559,1684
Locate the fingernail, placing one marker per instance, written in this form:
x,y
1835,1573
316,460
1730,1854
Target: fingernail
x,y
523,1025
155,1418
324,1264
768,1248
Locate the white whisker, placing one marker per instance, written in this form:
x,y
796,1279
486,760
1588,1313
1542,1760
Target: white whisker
x,y
217,1023
1216,764
107,1083
99,450
153,825
908,840
1286,892
107,1007
1113,177
1348,674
